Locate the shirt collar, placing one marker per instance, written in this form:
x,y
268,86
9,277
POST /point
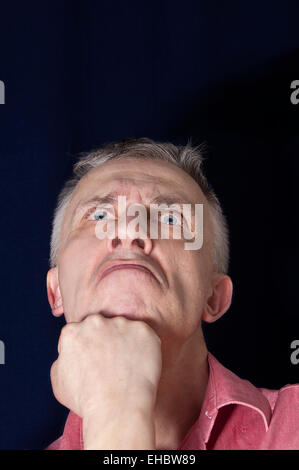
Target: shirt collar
x,y
226,388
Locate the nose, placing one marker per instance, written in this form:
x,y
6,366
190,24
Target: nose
x,y
145,245
131,240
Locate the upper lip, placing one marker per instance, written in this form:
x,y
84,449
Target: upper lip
x,y
133,263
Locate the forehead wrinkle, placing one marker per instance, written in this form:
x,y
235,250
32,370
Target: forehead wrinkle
x,y
167,197
122,181
142,179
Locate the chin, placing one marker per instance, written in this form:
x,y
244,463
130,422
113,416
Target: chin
x,y
128,305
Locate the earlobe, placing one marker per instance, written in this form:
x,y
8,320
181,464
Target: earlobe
x,y
53,291
220,299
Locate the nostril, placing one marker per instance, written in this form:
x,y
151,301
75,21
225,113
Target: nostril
x,y
139,242
115,242
136,241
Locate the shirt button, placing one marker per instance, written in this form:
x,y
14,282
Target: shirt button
x,y
207,414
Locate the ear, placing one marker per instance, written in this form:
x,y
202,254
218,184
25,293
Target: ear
x,y
53,290
220,299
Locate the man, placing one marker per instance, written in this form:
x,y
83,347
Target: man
x,y
133,367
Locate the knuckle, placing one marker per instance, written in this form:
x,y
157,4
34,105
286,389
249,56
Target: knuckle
x,y
67,332
120,323
120,320
55,380
68,329
94,320
53,371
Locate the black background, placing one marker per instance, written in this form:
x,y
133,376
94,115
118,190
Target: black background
x,y
78,74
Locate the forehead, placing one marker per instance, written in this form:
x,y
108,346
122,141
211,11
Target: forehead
x,y
149,177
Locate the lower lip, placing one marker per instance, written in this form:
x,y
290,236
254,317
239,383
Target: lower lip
x,y
127,315
119,267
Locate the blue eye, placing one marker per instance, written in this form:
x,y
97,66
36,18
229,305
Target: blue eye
x,y
169,219
100,215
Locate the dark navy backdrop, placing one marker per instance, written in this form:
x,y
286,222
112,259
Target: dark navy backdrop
x,y
78,74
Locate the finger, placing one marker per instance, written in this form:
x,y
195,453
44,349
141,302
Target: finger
x,y
53,373
93,320
67,331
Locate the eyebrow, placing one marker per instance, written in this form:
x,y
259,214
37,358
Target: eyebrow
x,y
170,198
111,198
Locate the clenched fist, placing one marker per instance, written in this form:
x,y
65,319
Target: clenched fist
x,y
105,367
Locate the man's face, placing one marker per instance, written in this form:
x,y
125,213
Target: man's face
x,y
172,290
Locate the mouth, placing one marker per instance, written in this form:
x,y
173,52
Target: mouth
x,y
118,266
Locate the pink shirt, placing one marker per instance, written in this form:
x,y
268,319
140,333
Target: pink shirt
x,y
235,415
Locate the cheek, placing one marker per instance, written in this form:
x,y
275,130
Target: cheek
x,y
79,246
181,266
189,276
78,260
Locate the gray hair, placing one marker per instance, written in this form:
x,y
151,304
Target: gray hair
x,y
186,157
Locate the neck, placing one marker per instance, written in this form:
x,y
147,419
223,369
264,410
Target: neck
x,y
181,390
